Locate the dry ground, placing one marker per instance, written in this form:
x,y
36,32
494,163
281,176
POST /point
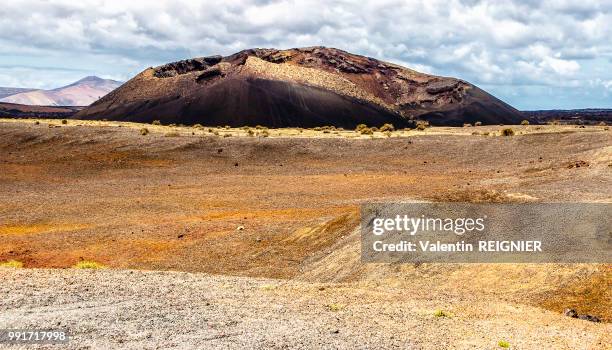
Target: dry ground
x,y
286,206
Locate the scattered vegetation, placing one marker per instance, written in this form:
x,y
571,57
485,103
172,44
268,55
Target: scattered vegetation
x,y
144,131
387,127
156,122
507,132
12,263
503,344
442,313
525,122
90,265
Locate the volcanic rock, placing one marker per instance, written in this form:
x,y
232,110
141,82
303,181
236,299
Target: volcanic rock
x,y
304,87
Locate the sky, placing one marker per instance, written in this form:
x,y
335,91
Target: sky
x,y
549,54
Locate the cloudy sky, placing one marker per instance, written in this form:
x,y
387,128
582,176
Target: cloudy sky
x,y
532,54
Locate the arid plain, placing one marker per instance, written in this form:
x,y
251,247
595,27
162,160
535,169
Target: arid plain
x,y
276,213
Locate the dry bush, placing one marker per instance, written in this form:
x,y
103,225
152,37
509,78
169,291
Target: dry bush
x,y
507,132
525,122
12,264
387,127
156,122
90,265
144,131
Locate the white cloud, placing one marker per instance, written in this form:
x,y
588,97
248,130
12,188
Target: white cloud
x,y
499,44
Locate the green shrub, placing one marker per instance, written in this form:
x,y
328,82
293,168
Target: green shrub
x,y
503,344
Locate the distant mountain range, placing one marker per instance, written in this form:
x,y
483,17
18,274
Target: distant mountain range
x,y
81,93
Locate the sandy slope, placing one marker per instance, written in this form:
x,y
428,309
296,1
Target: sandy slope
x,y
141,310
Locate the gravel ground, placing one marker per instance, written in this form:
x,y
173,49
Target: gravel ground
x,y
109,309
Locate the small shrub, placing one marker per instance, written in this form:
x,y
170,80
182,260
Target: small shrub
x,y
88,264
264,133
335,307
12,264
227,127
525,122
64,121
144,131
387,127
318,128
366,131
442,313
36,122
198,126
156,122
268,287
250,132
478,124
422,125
467,125
503,344
388,133
259,127
172,134
375,129
507,132
360,126
172,125
216,133
227,135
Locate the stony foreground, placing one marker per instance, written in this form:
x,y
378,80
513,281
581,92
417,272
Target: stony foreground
x,y
106,309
